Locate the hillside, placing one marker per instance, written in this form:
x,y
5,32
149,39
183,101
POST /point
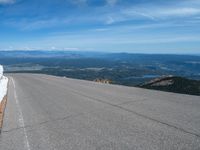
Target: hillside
x,y
174,84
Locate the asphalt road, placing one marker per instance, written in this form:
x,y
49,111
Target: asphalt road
x,y
51,113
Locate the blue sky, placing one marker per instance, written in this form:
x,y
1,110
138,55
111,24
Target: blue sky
x,y
137,26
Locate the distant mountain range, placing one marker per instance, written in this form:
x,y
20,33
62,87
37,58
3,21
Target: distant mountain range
x,y
118,68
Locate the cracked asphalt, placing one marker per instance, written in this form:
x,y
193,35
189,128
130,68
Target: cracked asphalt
x,y
54,113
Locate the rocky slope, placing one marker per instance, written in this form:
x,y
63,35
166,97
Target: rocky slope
x,y
174,84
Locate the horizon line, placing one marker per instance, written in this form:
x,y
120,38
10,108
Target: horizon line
x,y
93,51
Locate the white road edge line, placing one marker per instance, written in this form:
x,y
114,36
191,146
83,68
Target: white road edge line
x,y
21,119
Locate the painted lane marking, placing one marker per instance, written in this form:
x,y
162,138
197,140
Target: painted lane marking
x,y
21,119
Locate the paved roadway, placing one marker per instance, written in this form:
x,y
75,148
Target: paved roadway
x,y
51,113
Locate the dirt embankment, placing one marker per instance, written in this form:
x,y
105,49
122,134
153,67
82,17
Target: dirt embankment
x,y
2,110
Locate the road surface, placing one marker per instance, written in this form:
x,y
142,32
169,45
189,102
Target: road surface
x,y
53,113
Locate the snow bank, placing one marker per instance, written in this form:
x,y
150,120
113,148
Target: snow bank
x,y
1,71
3,84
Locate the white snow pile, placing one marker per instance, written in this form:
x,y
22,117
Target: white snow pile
x,y
3,84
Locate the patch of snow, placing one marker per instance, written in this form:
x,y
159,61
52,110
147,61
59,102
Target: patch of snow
x,y
163,83
3,84
1,71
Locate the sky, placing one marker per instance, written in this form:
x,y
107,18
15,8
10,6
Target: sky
x,y
136,26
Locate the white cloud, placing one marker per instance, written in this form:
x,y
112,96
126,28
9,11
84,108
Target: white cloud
x,y
7,2
159,40
110,20
35,23
100,29
30,48
70,48
112,2
136,13
53,48
177,12
79,2
155,13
